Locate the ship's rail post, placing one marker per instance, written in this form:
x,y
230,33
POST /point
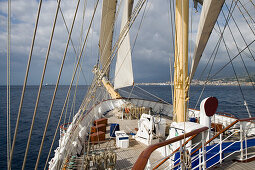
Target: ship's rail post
x,y
241,141
200,159
181,155
220,148
203,151
246,146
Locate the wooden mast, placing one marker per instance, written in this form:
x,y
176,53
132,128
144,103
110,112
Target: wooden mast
x,y
181,60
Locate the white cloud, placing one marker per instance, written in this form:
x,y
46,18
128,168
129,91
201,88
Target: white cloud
x,y
154,43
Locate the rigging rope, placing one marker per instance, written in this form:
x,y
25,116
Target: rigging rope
x,y
40,86
123,33
238,49
245,19
152,95
68,93
252,3
80,64
216,50
104,70
240,33
246,11
56,88
171,11
134,41
8,85
67,30
232,63
24,84
232,59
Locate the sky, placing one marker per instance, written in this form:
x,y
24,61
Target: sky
x,y
151,54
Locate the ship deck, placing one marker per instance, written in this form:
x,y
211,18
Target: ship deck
x,y
233,164
126,157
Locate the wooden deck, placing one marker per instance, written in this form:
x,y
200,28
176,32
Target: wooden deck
x,y
126,157
232,164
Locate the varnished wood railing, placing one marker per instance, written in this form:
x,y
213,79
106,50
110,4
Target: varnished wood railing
x,y
145,155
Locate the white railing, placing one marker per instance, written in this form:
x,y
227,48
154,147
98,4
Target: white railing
x,y
221,140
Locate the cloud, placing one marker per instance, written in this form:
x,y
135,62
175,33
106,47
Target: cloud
x,y
151,53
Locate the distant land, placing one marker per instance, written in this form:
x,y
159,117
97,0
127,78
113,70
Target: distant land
x,y
243,81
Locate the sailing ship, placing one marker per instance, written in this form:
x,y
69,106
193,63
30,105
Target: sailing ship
x,y
110,131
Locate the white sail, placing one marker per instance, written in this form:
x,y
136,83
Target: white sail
x,y
106,32
123,69
210,12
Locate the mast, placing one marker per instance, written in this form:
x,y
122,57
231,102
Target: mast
x,y
181,60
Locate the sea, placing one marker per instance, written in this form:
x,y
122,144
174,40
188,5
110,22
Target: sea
x,y
231,100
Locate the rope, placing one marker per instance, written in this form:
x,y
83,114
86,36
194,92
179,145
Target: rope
x,y
24,84
232,59
8,84
245,19
134,41
247,12
252,3
94,82
55,91
40,87
216,50
152,95
232,62
68,93
238,49
172,33
66,111
72,42
129,95
123,33
82,25
241,34
183,74
80,64
74,99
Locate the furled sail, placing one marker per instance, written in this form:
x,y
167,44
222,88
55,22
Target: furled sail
x,y
210,12
106,33
123,69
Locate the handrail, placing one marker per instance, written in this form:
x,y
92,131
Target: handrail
x,y
223,130
164,160
220,113
144,156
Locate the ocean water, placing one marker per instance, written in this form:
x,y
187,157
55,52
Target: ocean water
x,y
230,101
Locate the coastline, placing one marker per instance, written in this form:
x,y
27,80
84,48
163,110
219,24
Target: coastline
x,y
201,83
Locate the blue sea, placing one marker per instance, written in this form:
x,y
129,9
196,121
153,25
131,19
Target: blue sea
x,y
230,101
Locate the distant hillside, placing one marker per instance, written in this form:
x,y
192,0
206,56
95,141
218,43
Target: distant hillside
x,y
240,78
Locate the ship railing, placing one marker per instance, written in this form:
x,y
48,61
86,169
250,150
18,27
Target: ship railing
x,y
200,150
177,164
242,133
145,155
